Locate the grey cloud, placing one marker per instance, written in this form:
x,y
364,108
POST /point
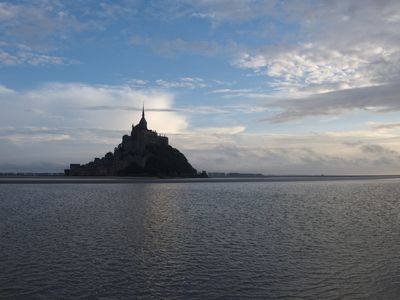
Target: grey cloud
x,y
280,160
380,155
387,126
379,99
352,143
194,109
378,149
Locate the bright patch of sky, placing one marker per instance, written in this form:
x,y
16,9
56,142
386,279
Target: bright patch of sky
x,y
266,86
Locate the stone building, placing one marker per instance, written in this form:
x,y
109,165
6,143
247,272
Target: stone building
x,y
144,153
141,136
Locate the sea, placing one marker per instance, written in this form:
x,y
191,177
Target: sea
x,y
331,239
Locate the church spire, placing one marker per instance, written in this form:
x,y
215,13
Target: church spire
x,y
143,123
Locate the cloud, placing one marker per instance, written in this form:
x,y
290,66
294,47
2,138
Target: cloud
x,y
28,135
52,123
177,46
63,105
229,149
22,57
4,90
377,99
220,131
230,91
378,149
137,82
187,109
328,153
315,68
37,24
340,46
391,126
183,82
219,11
32,30
242,93
334,46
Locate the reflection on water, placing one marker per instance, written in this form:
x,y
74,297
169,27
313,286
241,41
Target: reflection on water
x,y
309,240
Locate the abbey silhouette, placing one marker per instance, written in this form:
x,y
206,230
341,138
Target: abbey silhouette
x,y
142,153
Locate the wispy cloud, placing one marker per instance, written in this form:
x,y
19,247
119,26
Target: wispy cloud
x,y
177,46
379,99
39,24
32,30
387,126
184,82
190,110
33,58
137,82
231,11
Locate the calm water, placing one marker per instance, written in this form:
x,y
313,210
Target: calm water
x,y
289,240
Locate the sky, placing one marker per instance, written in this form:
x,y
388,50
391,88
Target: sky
x,y
273,87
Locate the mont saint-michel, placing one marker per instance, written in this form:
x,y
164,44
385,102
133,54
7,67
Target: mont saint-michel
x,y
142,153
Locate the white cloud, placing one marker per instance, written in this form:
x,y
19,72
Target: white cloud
x,y
224,131
5,90
184,82
312,68
63,105
31,58
242,93
230,91
340,46
137,82
386,126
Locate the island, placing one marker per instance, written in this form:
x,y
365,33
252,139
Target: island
x,y
142,153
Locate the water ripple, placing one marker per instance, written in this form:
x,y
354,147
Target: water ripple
x,y
306,240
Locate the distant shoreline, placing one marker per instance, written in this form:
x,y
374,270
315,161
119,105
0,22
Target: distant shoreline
x,y
119,180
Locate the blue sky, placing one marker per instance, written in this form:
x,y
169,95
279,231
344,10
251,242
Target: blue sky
x,y
278,87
